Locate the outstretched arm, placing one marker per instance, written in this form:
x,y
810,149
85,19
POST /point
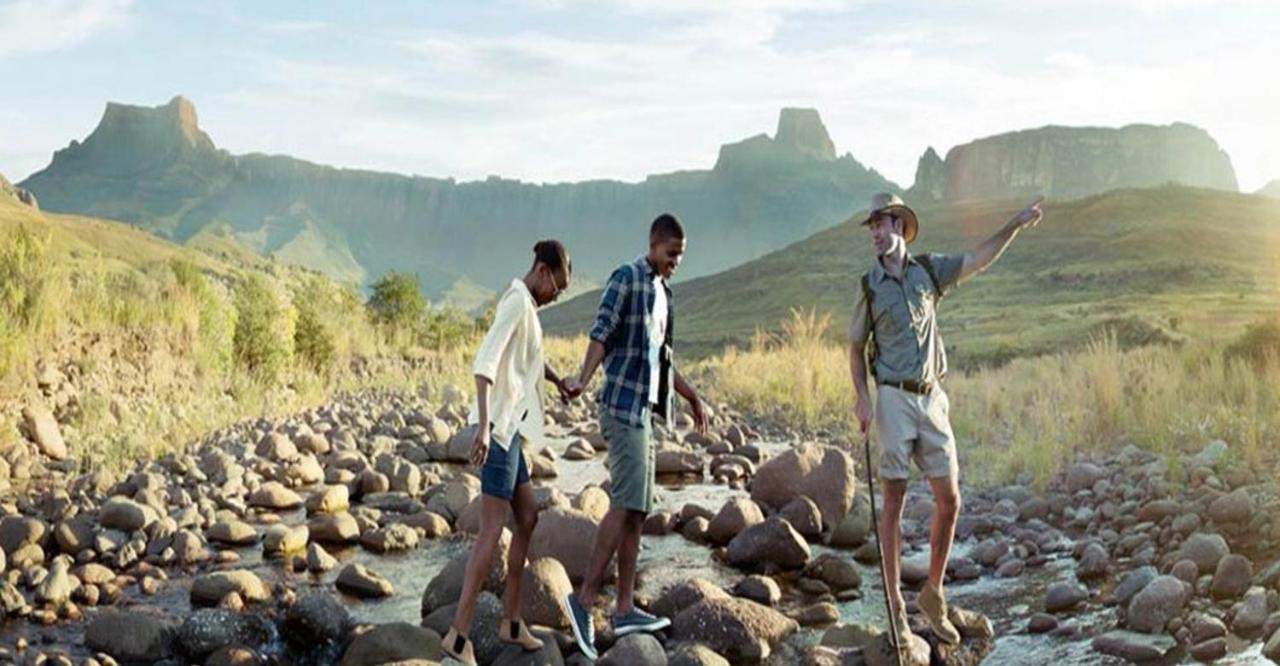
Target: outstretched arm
x,y
979,258
686,391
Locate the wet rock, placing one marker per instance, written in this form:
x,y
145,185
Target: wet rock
x,y
335,528
273,495
431,525
1134,646
544,584
1152,607
1095,563
57,587
1271,650
685,594
357,580
760,589
209,629
838,573
821,613
1041,623
1210,650
1251,614
854,528
1232,577
1131,584
316,619
394,537
823,473
694,654
1204,627
736,515
394,642
804,516
635,650
319,560
283,539
1064,595
129,636
232,533
209,589
771,544
330,499
484,628
916,652
735,628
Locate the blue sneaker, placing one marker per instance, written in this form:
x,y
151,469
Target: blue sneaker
x,y
584,630
638,621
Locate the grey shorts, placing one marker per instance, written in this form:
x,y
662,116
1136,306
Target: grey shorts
x,y
631,463
915,427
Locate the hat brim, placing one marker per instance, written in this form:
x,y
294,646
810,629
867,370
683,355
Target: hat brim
x,y
910,223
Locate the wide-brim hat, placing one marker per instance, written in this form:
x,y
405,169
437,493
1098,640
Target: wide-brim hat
x,y
886,203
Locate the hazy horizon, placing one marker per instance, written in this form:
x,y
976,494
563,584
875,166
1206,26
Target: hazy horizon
x,y
561,90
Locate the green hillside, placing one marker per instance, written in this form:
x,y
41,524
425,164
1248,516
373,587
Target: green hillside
x,y
1151,264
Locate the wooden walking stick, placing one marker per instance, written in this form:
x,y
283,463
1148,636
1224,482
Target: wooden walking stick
x,y
875,529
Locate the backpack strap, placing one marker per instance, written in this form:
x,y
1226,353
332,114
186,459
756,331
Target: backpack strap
x,y
871,351
926,262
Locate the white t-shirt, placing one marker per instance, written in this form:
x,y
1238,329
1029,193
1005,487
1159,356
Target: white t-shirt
x,y
657,335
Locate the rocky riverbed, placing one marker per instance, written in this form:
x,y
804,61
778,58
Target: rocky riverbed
x,y
338,536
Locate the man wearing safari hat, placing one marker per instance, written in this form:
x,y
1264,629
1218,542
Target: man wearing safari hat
x,y
895,319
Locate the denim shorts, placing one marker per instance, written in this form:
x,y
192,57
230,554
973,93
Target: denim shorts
x,y
504,470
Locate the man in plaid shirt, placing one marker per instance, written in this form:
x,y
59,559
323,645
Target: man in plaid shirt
x,y
632,336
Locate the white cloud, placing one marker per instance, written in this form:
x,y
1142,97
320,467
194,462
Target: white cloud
x,y
41,26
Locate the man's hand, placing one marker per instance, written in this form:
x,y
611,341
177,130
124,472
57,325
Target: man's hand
x,y
568,389
1029,216
863,411
480,446
699,415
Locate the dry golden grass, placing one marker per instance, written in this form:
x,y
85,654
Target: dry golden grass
x,y
1032,415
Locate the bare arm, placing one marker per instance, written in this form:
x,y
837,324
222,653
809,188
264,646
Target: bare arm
x,y
480,444
686,391
858,368
595,354
981,257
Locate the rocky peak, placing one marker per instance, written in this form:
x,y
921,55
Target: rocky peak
x,y
802,130
931,173
174,123
1271,189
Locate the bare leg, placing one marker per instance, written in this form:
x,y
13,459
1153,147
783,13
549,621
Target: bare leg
x,y
493,513
608,537
891,536
946,498
522,504
628,553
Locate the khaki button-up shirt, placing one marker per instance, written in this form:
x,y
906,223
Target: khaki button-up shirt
x,y
904,318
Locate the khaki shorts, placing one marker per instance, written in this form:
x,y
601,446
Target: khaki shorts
x,y
912,426
631,463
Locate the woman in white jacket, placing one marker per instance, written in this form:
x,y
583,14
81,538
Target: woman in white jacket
x,y
509,369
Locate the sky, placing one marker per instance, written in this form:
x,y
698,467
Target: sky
x,y
569,90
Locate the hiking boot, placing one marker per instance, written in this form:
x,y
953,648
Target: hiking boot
x,y
934,607
458,647
638,621
903,625
584,630
517,633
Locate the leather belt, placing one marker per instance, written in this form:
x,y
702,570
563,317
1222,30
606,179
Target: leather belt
x,y
912,386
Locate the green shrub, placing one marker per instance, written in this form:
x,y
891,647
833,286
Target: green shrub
x,y
397,301
214,321
24,276
1260,341
447,328
263,341
315,340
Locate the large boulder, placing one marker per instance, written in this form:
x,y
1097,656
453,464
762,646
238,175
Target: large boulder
x,y
484,626
273,495
43,430
822,473
122,513
635,650
768,545
391,643
567,535
1232,578
360,581
316,619
736,515
1235,508
545,584
737,629
446,587
129,636
1082,475
208,589
335,528
1205,550
685,594
209,629
1152,608
1135,647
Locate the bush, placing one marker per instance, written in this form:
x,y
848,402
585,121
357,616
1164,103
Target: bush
x,y
1260,341
448,328
315,342
397,301
25,276
263,341
214,321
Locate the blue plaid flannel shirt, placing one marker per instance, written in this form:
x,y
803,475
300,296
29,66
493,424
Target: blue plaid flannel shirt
x,y
622,327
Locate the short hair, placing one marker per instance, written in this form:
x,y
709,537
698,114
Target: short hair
x,y
553,254
666,227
